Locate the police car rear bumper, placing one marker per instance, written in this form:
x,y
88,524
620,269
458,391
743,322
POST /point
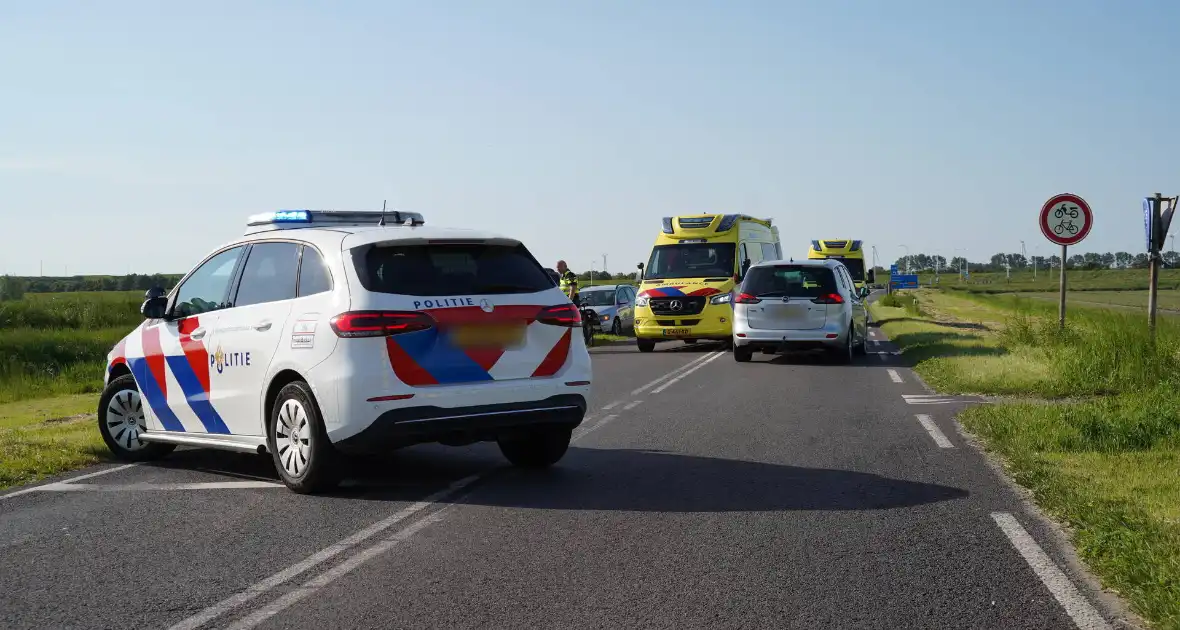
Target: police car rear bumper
x,y
464,425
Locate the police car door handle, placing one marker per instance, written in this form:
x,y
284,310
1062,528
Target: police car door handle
x,y
199,333
262,326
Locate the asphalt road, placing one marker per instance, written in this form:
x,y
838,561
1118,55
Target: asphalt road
x,y
700,493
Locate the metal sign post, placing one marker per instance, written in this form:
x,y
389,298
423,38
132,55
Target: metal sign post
x,y
1157,218
1065,219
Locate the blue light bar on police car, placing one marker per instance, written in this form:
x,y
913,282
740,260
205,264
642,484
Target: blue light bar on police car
x,y
310,218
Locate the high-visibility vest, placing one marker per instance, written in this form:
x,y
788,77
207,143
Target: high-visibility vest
x,y
569,283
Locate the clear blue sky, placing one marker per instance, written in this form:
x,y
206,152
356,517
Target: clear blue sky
x,y
137,136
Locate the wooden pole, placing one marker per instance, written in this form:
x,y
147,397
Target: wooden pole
x,y
1061,298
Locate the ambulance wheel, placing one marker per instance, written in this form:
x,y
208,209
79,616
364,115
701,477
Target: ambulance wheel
x,y
539,448
121,421
645,345
298,442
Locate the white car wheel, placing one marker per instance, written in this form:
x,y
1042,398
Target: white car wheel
x,y
293,437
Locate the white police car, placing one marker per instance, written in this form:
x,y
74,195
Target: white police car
x,y
323,332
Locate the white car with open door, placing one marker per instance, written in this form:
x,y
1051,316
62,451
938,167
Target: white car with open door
x,y
325,332
804,305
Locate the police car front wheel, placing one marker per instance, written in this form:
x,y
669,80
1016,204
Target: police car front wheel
x,y
121,422
539,448
298,442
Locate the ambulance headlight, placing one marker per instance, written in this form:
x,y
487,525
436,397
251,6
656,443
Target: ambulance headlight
x,y
641,301
723,298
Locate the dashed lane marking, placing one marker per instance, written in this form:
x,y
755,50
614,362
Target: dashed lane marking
x,y
612,405
631,405
690,364
686,373
1063,590
939,437
894,376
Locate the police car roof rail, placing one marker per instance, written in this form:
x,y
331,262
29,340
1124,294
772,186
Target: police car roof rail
x,y
290,219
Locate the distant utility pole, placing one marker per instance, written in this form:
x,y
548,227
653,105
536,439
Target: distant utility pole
x,y
604,263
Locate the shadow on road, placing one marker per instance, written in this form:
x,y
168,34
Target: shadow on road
x,y
664,347
595,479
655,481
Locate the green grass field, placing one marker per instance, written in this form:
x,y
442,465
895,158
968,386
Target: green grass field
x,y
1076,279
1090,423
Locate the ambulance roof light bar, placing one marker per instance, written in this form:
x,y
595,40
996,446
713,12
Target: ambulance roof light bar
x,y
288,219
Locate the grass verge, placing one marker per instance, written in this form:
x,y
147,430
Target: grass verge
x,y
1102,455
46,437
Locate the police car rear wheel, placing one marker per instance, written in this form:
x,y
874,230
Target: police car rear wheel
x,y
121,422
539,448
298,443
742,354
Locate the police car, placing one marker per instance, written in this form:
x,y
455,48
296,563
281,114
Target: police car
x,y
321,333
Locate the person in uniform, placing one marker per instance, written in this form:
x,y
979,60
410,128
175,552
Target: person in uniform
x,y
568,281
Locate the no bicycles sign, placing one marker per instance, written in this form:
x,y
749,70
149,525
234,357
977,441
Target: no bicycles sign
x,y
1066,219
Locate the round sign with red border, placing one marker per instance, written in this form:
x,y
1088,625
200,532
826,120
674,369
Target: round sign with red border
x,y
1066,219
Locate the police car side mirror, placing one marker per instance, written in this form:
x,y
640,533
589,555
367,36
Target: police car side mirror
x,y
154,308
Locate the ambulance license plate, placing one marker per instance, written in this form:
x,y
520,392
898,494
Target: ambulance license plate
x,y
677,332
488,336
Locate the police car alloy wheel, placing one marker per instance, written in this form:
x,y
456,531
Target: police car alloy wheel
x,y
298,443
121,422
538,448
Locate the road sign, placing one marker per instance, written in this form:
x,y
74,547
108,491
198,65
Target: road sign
x,y
1148,224
1157,220
893,270
904,282
1066,219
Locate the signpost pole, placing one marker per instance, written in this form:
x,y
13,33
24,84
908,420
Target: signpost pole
x,y
1153,261
1065,220
1061,298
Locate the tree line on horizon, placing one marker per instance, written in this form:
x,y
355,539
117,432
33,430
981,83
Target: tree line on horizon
x,y
1019,262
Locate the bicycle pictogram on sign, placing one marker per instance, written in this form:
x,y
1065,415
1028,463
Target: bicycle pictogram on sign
x,y
1066,219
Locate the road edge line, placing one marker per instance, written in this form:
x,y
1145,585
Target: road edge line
x,y
1067,594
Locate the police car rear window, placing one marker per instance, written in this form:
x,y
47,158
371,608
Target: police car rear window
x,y
789,280
449,269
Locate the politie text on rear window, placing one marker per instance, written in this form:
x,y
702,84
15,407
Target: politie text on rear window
x,y
449,269
789,281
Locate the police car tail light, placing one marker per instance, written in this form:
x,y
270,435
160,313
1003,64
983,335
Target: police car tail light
x,y
566,315
380,323
746,298
829,298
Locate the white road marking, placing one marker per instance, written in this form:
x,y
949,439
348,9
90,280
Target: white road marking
x,y
209,485
286,575
894,376
344,568
583,430
631,405
872,333
612,405
936,433
684,374
318,558
105,471
1076,606
675,372
928,399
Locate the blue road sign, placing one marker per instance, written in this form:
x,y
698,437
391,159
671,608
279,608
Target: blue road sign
x,y
893,270
1148,215
904,282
